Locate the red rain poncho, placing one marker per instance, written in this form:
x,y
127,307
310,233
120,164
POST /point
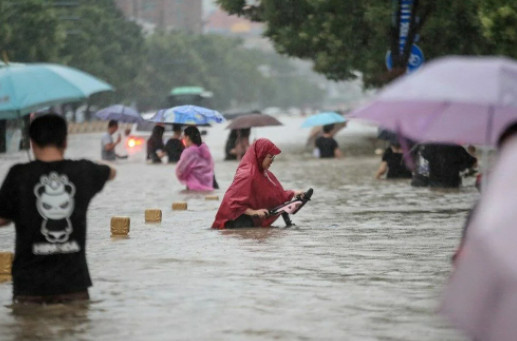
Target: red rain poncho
x,y
253,187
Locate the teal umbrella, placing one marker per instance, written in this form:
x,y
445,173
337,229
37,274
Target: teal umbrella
x,y
24,88
322,119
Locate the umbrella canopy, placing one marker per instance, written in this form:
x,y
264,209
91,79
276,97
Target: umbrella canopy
x,y
27,87
232,114
253,120
119,113
466,100
187,114
323,119
481,295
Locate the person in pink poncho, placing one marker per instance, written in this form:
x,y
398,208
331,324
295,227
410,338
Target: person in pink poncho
x,y
196,166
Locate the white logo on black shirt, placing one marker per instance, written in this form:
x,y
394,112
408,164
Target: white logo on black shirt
x,y
55,203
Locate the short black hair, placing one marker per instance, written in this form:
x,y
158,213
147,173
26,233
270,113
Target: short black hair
x,y
176,127
245,132
193,133
328,128
48,130
112,123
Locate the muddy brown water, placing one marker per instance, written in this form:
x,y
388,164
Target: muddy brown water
x,y
367,259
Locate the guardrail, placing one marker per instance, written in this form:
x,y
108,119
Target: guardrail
x,y
87,127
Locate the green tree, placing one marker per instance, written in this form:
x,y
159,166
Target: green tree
x,y
250,77
169,61
346,37
499,26
221,65
232,68
29,31
101,41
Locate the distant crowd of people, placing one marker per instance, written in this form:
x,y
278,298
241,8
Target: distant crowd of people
x,y
433,165
194,163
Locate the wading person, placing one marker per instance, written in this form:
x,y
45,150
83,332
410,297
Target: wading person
x,y
393,164
326,145
107,143
174,146
253,191
47,199
155,146
196,166
445,164
243,142
229,148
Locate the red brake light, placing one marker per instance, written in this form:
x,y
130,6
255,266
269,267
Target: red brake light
x,y
134,142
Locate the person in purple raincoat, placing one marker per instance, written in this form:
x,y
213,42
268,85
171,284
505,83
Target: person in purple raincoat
x,y
196,165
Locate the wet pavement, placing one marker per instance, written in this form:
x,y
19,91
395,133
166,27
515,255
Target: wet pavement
x,y
367,259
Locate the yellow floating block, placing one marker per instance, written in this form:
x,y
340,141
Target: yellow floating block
x,y
153,215
212,197
120,225
178,206
6,262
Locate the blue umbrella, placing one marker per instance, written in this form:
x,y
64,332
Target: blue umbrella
x,y
119,113
187,114
322,119
24,88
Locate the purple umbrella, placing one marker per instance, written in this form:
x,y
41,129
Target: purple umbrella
x,y
466,100
481,296
119,113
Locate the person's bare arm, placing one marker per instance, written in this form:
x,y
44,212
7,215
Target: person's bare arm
x,y
382,169
337,153
4,222
113,173
298,193
111,146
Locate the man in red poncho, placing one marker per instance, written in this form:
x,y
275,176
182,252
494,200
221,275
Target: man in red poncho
x,y
254,190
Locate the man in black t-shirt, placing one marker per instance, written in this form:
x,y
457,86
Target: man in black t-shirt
x,y
326,145
47,199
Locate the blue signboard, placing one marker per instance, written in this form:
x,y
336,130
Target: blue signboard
x,y
416,56
405,19
416,59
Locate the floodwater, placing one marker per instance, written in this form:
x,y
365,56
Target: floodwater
x,y
367,259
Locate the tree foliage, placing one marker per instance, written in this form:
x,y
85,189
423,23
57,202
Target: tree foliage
x,y
499,26
102,42
95,37
346,37
29,31
221,65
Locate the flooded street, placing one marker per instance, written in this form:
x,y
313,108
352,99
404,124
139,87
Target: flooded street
x,y
367,259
